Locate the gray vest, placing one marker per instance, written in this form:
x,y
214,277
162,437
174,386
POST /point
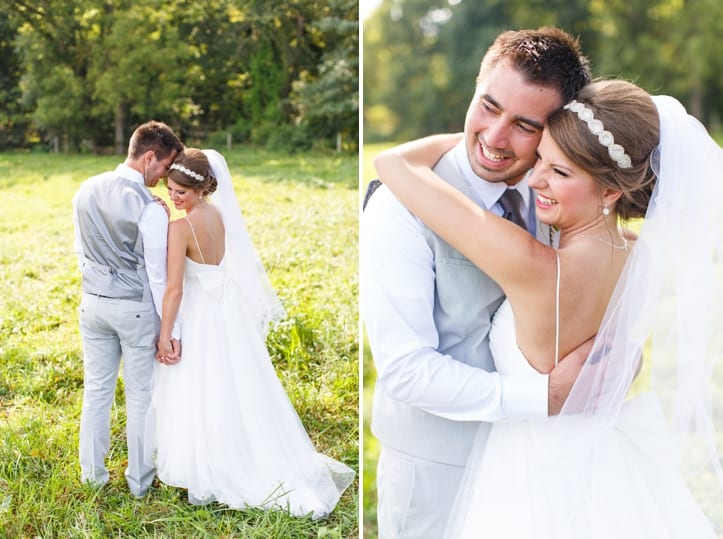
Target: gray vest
x,y
108,209
465,300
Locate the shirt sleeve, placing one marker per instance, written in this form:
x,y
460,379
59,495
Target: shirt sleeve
x,y
397,297
77,243
153,226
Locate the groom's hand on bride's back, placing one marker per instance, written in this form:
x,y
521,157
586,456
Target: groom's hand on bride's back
x,y
563,376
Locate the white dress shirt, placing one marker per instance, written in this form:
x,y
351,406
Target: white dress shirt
x,y
397,303
153,227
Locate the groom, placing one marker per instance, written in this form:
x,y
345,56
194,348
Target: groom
x,y
428,310
120,240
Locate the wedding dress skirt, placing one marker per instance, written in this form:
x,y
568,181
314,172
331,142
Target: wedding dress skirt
x,y
547,480
220,423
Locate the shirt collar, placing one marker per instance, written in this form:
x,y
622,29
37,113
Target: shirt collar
x,y
487,192
130,174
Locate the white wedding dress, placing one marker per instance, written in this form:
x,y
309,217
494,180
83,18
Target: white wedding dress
x,y
220,423
551,480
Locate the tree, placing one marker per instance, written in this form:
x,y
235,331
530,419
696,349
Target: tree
x,y
140,78
665,46
54,52
421,56
92,70
13,122
327,105
404,68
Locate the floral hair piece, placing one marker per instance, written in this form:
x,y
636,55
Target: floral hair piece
x,y
596,127
188,172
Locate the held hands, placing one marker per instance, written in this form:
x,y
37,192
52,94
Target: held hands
x,y
564,375
169,351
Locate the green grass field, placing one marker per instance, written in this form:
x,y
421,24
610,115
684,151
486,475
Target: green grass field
x,y
301,212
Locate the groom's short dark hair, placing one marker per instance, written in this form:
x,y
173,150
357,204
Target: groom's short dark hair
x,y
547,56
155,136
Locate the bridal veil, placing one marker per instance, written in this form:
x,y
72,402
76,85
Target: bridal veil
x,y
663,328
263,300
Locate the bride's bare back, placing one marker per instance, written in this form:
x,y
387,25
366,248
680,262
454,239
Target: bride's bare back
x,y
588,274
205,221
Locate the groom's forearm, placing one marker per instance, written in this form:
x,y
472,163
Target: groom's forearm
x,y
442,386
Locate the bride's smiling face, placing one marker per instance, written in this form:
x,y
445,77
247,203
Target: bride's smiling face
x,y
183,198
567,196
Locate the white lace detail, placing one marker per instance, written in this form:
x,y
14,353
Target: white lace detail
x,y
188,172
597,128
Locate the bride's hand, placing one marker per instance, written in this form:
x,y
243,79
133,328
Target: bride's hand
x,y
163,205
175,357
165,352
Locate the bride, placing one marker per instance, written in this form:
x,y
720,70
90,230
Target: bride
x,y
609,465
220,423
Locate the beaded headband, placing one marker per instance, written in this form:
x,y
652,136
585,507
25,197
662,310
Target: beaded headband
x,y
188,172
596,127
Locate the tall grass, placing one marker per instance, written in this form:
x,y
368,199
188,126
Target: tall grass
x,y
302,215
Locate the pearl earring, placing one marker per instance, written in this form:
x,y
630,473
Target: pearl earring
x,y
606,211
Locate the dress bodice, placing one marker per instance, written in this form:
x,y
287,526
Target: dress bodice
x,y
210,278
507,356
211,412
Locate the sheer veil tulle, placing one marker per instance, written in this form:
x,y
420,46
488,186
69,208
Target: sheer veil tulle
x,y
263,300
668,307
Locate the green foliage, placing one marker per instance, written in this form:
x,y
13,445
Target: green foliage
x,y
60,100
288,138
266,74
91,73
301,213
421,57
146,77
400,42
329,105
370,450
676,49
13,123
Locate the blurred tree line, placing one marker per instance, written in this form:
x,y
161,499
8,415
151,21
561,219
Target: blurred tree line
x,y
421,57
84,73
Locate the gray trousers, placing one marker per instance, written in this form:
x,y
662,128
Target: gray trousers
x,y
415,495
111,328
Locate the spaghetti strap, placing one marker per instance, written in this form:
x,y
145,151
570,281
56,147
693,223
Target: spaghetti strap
x,y
196,239
557,310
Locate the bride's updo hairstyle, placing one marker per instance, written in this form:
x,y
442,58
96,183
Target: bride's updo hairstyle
x,y
627,112
191,169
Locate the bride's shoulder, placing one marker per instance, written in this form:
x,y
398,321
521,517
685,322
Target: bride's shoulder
x,y
181,227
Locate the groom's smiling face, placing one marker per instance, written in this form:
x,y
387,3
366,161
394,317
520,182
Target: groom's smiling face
x,y
504,123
